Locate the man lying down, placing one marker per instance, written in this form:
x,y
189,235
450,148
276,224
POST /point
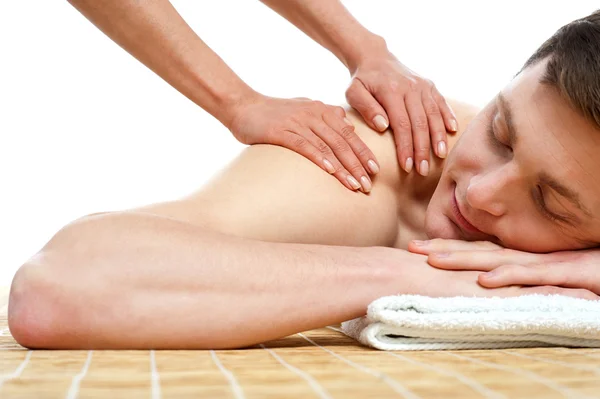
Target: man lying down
x,y
273,245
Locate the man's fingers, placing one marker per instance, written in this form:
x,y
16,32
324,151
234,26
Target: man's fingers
x,y
362,100
448,245
522,275
559,274
479,260
437,129
466,260
345,129
450,120
420,131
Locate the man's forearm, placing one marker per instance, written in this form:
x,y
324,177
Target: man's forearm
x,y
134,280
154,33
330,24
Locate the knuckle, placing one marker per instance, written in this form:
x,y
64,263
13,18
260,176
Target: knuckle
x,y
431,108
403,124
421,123
339,144
347,132
414,85
352,90
363,151
394,87
322,147
299,142
306,112
293,121
422,150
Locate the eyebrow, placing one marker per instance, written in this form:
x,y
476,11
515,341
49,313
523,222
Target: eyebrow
x,y
571,195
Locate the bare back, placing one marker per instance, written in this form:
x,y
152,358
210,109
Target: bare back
x,y
273,194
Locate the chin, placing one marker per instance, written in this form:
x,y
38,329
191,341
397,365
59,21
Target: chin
x,y
439,226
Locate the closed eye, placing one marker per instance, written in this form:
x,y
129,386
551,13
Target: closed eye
x,y
494,141
541,204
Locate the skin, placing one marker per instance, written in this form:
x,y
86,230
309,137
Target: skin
x,y
494,183
272,231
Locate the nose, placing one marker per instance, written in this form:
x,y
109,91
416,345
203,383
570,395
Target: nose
x,y
491,191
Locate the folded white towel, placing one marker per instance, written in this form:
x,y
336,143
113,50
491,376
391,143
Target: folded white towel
x,y
415,322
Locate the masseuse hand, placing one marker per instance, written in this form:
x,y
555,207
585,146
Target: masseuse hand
x,y
315,130
385,93
570,269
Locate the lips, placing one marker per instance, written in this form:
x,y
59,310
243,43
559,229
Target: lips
x,y
461,221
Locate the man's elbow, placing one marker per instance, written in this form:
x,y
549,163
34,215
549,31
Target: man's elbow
x,y
31,311
41,295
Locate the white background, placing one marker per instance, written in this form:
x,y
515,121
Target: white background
x,y
85,127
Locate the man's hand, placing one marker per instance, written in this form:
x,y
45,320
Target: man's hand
x,y
570,269
319,132
418,277
385,93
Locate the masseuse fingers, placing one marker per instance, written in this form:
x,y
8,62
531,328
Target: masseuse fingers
x,y
437,129
338,170
313,149
368,107
448,114
420,131
344,153
480,260
448,245
400,123
343,127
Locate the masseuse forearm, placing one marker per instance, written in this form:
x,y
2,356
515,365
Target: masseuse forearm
x,y
154,33
330,24
135,280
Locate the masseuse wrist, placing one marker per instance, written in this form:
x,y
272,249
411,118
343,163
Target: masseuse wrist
x,y
233,104
368,48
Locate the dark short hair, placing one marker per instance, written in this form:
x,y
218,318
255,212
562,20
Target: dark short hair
x,y
574,64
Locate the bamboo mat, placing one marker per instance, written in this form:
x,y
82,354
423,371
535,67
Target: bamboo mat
x,y
321,363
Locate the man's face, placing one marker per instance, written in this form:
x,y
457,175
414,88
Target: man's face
x,y
525,174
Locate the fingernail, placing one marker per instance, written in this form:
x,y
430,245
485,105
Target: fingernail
x,y
380,123
353,182
420,243
348,121
409,164
366,183
328,166
453,125
373,166
424,169
442,149
442,254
